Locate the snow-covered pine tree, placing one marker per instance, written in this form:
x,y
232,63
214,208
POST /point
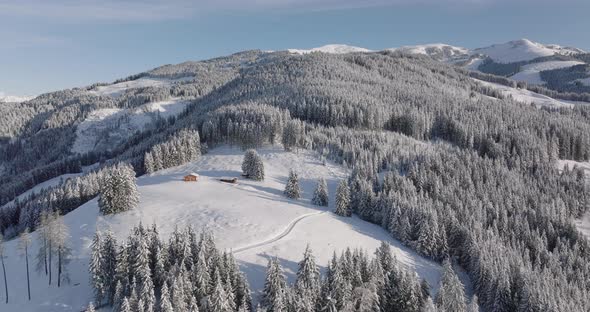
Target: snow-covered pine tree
x,y
178,296
109,264
90,307
148,162
165,302
252,166
473,305
343,200
450,296
320,195
119,190
275,288
218,300
126,306
96,270
307,285
292,189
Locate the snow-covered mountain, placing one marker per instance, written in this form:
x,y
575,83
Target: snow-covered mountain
x,y
510,59
523,50
13,98
438,51
331,48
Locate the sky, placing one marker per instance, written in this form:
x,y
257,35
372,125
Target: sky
x,y
48,45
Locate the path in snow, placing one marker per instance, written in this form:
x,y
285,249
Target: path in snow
x,y
275,239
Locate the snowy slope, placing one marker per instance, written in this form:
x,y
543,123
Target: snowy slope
x,y
330,48
438,51
585,81
530,97
531,73
106,127
118,89
522,50
253,219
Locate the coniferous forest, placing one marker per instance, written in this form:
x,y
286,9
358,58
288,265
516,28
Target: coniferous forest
x,y
450,167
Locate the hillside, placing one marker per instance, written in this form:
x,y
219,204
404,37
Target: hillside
x,y
252,219
446,162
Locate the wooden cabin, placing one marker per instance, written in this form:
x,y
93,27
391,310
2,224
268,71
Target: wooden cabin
x,y
191,177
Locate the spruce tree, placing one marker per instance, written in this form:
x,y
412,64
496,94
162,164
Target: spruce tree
x,y
126,306
165,302
450,296
119,190
96,270
343,200
275,288
252,166
320,195
307,285
90,307
292,189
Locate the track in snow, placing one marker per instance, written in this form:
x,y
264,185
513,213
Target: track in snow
x,y
275,239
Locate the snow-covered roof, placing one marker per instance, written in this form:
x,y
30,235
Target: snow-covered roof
x,y
193,174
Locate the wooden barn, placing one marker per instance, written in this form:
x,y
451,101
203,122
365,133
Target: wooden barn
x,y
191,177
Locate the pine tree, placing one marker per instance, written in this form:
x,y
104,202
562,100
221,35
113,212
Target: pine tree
x,y
473,305
148,163
126,306
90,307
292,189
307,285
23,245
343,200
178,295
119,190
219,301
165,304
96,269
60,234
44,237
109,265
320,196
275,288
450,296
252,166
193,305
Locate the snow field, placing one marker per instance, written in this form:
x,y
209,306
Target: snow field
x,y
253,219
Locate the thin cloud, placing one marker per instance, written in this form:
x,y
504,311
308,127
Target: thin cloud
x,y
149,10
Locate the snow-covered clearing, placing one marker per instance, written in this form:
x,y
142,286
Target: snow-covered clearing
x,y
117,89
531,73
582,224
585,81
254,219
106,127
529,97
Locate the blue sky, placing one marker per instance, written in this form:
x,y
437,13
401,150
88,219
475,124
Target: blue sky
x,y
48,45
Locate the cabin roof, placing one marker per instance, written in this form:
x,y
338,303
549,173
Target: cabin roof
x,y
193,174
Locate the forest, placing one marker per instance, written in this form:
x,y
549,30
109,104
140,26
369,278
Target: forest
x,y
447,166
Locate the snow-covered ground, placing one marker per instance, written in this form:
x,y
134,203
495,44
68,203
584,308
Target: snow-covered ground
x,y
254,219
582,224
118,89
531,73
529,97
585,81
438,51
106,127
522,50
330,48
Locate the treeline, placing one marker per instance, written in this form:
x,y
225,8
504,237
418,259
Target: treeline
x,y
181,148
189,273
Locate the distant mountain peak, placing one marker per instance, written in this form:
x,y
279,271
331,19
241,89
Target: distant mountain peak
x,y
332,49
